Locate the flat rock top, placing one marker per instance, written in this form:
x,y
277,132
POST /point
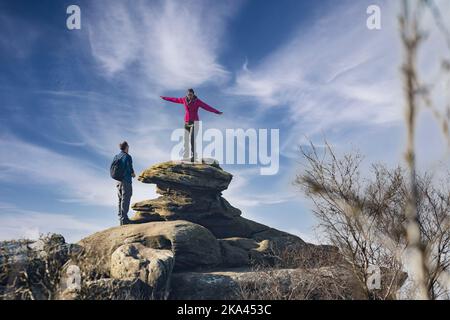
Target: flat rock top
x,y
182,175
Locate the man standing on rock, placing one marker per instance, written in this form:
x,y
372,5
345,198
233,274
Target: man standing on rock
x,y
191,105
125,173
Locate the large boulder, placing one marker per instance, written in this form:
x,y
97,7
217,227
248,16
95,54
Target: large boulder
x,y
193,246
187,176
188,191
192,192
186,206
152,266
244,228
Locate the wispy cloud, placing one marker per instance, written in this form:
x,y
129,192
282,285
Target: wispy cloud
x,y
333,74
337,74
168,44
242,193
74,180
18,223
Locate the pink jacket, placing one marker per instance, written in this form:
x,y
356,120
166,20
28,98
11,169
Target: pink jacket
x,y
192,107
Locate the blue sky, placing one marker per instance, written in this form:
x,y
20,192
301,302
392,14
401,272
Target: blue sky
x,y
309,68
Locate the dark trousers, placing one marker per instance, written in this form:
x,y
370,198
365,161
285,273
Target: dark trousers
x,y
124,191
190,134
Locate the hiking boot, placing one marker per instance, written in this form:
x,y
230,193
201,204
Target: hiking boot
x,y
125,221
196,159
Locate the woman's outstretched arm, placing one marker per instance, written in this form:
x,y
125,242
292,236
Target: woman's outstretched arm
x,y
175,100
209,108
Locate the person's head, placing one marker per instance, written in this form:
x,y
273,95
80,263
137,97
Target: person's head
x,y
190,93
124,146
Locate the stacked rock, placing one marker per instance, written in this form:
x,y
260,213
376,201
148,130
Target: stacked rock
x,y
191,192
189,231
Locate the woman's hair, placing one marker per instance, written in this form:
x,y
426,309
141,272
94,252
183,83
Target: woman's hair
x,y
123,145
191,90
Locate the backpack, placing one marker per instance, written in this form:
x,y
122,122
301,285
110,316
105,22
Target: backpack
x,y
118,166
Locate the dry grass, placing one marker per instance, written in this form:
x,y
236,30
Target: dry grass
x,y
298,274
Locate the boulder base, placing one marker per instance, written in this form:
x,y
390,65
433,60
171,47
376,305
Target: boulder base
x,y
193,246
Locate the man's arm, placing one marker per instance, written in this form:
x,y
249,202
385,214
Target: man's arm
x,y
175,100
131,166
208,107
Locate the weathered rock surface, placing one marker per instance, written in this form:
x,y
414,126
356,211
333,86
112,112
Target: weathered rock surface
x,y
186,176
152,266
178,205
110,289
189,192
193,246
192,192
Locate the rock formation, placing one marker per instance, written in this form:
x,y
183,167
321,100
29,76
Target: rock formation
x,y
191,243
193,192
189,228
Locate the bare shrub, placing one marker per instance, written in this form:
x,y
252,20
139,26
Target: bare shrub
x,y
367,218
306,272
295,284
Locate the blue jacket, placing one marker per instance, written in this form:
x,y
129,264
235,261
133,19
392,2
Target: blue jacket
x,y
128,161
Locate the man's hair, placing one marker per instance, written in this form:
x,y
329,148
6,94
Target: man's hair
x,y
123,145
191,90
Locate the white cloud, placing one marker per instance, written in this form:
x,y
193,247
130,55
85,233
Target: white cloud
x,y
338,75
17,223
75,179
169,44
335,73
242,195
